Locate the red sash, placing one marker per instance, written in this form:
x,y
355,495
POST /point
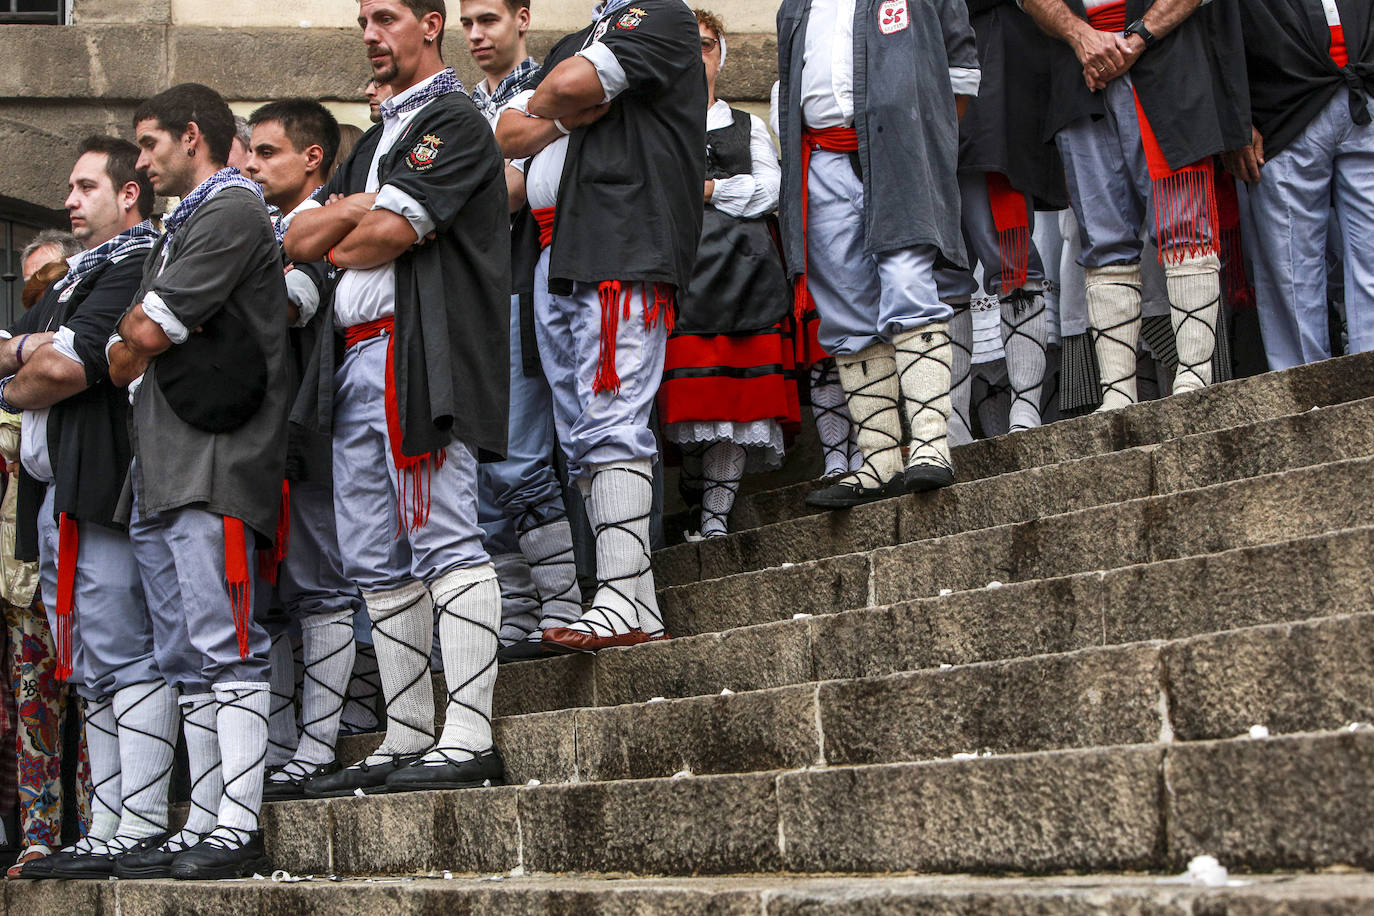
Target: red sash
x,y
67,547
544,217
830,140
413,472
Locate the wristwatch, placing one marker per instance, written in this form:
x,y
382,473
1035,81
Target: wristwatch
x,y
1138,28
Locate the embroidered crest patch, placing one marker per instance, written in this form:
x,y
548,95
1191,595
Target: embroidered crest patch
x,y
601,28
423,156
892,16
630,19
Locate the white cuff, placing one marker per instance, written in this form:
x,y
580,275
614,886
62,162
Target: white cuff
x,y
157,310
109,344
520,102
608,69
731,195
6,335
301,290
64,342
965,80
394,199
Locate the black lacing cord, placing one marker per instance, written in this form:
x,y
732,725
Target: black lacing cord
x,y
1026,307
829,417
224,837
916,406
1186,315
624,586
425,729
1109,333
335,698
90,709
866,477
961,407
454,692
188,723
561,562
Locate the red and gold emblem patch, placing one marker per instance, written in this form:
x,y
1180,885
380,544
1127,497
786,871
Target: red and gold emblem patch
x,y
425,153
630,19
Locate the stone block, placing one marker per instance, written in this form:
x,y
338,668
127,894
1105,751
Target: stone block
x,y
766,655
1295,802
809,538
819,587
700,825
1083,810
264,64
118,62
1300,677
60,898
300,836
748,732
544,684
474,830
86,12
1082,699
540,746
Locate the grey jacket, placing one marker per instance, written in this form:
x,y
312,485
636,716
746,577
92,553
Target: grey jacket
x,y
905,117
225,257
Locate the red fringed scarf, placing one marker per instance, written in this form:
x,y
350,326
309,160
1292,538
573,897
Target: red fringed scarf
x,y
544,218
1177,193
269,561
414,473
830,140
236,581
1009,215
663,309
1239,294
67,548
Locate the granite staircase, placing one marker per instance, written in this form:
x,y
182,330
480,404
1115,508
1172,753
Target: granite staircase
x,y
1118,643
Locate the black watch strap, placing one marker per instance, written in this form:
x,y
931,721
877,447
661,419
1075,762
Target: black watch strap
x,y
1138,28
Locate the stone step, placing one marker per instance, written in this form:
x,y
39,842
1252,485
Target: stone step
x,y
1319,576
1237,403
1292,677
1107,895
1336,433
1258,510
1300,801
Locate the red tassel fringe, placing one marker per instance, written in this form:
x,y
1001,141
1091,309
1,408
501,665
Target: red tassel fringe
x,y
269,561
67,547
1178,194
606,377
1010,217
236,581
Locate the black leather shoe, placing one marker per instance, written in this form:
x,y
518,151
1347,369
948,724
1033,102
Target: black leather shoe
x,y
147,859
82,865
44,867
370,778
209,861
278,790
847,492
485,769
919,478
521,651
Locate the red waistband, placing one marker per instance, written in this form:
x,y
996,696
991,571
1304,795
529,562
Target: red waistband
x,y
368,330
1339,52
831,139
544,217
1109,18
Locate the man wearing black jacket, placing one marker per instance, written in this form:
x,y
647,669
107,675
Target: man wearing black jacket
x,y
420,394
1311,72
616,127
76,447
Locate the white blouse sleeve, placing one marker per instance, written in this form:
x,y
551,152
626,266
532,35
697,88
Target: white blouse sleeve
x,y
756,193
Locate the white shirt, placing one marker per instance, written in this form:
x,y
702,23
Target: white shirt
x,y
751,194
367,295
300,289
827,81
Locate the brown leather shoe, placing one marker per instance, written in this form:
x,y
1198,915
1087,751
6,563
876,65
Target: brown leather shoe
x,y
566,639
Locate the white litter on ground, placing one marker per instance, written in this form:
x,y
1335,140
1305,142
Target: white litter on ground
x,y
800,616
282,876
682,774
448,876
946,592
787,566
658,699
1205,871
993,584
360,793
1259,731
727,692
533,782
1356,726
691,537
965,756
518,871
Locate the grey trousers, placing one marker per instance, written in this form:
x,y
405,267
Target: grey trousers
x,y
112,634
311,580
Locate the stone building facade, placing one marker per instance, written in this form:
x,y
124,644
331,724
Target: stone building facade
x,y
86,69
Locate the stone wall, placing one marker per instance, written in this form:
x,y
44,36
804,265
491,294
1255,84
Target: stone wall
x,y
60,83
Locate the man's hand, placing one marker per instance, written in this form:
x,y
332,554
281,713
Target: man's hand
x,y
1102,54
314,232
961,105
124,365
1245,163
585,116
1131,47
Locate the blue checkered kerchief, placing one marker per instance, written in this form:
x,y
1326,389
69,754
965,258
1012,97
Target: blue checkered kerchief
x,y
444,82
490,102
204,192
138,238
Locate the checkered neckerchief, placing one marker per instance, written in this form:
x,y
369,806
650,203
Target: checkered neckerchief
x,y
444,82
137,238
207,189
489,102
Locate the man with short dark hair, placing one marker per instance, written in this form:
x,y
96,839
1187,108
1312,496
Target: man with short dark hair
x,y
421,392
208,336
520,499
291,150
74,453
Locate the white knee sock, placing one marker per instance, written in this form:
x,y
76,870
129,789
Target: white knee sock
x,y
102,750
923,366
1025,333
282,734
961,376
148,721
360,710
724,469
199,714
242,725
547,545
869,378
403,634
520,610
621,499
831,414
327,648
1113,295
1194,302
469,604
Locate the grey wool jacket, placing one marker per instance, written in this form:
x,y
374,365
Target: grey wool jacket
x,y
905,117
